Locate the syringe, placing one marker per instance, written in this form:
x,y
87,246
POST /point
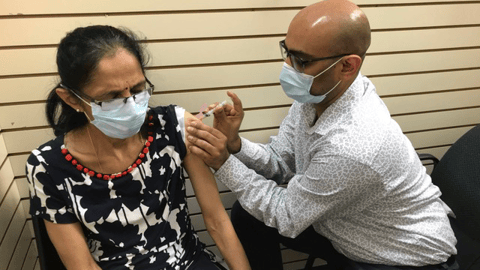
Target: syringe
x,y
209,113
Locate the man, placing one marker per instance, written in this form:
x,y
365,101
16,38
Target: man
x,y
357,193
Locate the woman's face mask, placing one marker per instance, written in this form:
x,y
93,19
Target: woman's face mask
x,y
120,118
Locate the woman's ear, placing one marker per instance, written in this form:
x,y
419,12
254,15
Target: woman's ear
x,y
70,99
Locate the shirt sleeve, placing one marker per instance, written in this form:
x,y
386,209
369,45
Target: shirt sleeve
x,y
275,160
330,188
180,113
46,199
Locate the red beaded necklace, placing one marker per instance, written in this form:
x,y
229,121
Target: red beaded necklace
x,y
139,160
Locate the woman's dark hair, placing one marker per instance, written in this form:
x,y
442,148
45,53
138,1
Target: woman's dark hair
x,y
78,55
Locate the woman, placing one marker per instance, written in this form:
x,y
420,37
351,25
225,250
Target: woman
x,y
110,186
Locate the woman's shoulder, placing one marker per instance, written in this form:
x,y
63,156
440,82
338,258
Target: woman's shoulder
x,y
47,151
171,113
170,125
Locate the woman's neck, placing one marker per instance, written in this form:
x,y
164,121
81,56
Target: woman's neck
x,y
100,152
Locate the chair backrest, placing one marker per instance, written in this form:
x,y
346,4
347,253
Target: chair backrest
x,y
458,177
47,254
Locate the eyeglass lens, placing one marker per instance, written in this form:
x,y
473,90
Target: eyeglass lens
x,y
297,63
118,102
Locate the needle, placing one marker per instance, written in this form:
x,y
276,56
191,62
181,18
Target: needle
x,y
209,113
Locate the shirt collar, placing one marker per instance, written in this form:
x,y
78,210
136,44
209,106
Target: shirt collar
x,y
337,111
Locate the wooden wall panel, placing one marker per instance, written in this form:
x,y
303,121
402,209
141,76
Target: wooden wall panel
x,y
25,140
18,164
8,206
30,89
439,101
32,115
440,80
3,149
223,24
437,120
199,25
165,54
436,137
6,176
26,7
23,188
30,258
11,224
21,249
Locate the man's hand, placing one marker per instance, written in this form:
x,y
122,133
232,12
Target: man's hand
x,y
208,143
228,119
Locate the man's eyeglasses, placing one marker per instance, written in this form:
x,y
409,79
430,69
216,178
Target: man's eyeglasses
x,y
114,102
297,62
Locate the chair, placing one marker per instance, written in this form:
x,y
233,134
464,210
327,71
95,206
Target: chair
x,y
47,254
457,175
311,259
49,259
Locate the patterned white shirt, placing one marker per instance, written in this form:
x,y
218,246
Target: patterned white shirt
x,y
353,175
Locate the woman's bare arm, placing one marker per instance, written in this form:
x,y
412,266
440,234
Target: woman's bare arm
x,y
215,217
71,246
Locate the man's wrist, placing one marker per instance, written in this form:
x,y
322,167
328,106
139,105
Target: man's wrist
x,y
217,166
235,146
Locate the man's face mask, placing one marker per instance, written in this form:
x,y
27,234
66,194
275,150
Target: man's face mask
x,y
297,85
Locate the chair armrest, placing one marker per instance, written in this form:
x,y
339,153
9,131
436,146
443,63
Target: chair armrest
x,y
429,157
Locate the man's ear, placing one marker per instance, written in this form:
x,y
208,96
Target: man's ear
x,y
351,65
69,98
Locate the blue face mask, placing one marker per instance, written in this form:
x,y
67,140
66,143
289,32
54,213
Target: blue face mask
x,y
121,118
297,85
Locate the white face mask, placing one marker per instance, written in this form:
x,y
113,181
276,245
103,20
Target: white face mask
x,y
297,85
120,118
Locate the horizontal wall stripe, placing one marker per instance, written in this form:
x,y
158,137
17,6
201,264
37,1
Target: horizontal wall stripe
x,y
25,8
29,261
3,149
244,51
11,237
26,140
23,187
410,122
435,111
6,182
280,35
438,120
8,210
20,249
249,75
436,138
205,25
32,116
430,92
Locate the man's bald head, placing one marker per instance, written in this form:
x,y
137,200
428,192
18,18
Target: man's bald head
x,y
333,27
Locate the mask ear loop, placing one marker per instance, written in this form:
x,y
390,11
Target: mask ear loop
x,y
78,110
86,115
328,68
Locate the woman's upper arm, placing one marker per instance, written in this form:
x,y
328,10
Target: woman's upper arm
x,y
203,182
70,243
